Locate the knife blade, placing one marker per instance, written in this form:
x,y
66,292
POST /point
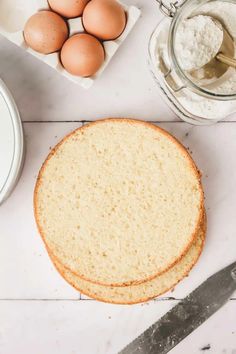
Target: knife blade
x,y
185,317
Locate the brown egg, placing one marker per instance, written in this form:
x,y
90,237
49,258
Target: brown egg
x,y
68,8
104,19
82,55
45,32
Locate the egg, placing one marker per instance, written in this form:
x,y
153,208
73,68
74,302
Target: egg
x,y
105,19
45,32
68,8
82,55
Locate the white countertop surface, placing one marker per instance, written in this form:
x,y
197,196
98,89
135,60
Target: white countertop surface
x,y
39,312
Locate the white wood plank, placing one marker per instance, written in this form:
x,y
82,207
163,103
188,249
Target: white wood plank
x,y
22,254
87,327
26,271
214,149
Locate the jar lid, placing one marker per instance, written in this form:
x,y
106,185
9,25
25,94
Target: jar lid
x,y
11,143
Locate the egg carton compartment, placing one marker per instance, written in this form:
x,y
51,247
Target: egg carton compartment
x,y
15,13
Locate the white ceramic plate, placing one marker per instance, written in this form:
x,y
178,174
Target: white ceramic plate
x,y
11,143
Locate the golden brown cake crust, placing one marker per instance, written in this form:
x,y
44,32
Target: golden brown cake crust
x,y
61,269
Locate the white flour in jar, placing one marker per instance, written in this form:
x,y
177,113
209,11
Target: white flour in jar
x,y
198,40
192,102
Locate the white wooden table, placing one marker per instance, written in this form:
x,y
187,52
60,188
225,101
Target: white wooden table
x,y
39,312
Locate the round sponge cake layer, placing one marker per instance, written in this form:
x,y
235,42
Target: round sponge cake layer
x,y
118,202
142,292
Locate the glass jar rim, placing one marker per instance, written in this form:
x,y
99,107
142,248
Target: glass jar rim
x,y
173,57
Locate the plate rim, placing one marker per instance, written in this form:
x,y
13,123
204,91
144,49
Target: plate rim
x,y
18,157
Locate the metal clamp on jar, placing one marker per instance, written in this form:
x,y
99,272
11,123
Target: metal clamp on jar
x,y
207,94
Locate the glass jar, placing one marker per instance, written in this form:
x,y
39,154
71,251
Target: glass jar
x,y
192,102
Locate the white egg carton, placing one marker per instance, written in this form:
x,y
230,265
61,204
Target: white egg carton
x,y
14,14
